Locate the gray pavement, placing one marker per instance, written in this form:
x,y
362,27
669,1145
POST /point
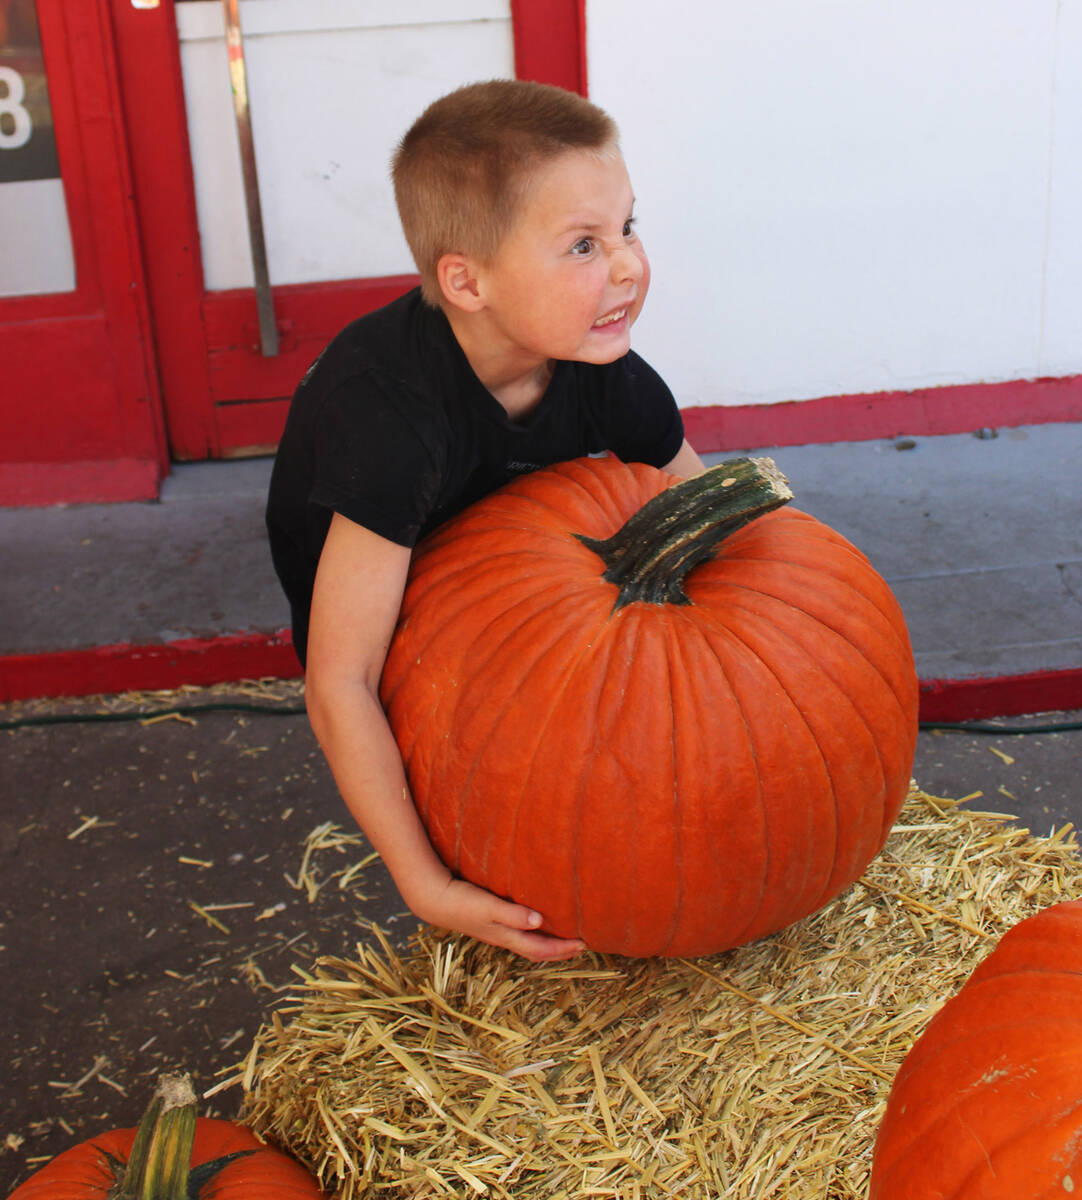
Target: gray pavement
x,y
980,537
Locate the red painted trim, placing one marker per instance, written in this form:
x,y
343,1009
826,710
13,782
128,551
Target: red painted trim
x,y
123,278
1009,696
251,429
550,42
155,120
298,305
60,396
202,661
252,393
122,668
307,315
14,309
928,411
38,485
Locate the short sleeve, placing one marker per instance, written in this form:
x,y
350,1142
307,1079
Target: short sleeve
x,y
640,419
378,457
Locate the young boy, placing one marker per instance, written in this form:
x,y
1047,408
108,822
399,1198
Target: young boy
x,y
513,354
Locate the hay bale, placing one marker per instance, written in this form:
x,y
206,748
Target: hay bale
x,y
763,1072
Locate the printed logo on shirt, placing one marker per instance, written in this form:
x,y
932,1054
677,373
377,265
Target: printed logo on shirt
x,y
522,468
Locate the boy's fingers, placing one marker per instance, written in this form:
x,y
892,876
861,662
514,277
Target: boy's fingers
x,y
537,946
517,916
513,926
540,947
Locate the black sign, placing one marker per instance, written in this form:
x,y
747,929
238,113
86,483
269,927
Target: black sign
x,y
27,141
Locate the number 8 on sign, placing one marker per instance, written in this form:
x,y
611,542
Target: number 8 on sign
x,y
15,124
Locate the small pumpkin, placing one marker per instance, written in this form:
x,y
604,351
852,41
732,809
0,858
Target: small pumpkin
x,y
672,716
988,1102
172,1155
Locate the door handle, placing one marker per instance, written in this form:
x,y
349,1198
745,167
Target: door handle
x,y
238,77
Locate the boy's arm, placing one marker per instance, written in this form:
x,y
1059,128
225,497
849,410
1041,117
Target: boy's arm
x,y
686,462
355,605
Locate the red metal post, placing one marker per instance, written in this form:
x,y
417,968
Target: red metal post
x,y
550,42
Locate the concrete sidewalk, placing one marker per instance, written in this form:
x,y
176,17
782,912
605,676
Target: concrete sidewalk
x,y
980,536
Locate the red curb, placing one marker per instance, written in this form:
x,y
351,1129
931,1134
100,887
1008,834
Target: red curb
x,y
1004,696
927,412
125,668
201,661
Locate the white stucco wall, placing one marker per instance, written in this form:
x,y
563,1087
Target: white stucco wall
x,y
852,195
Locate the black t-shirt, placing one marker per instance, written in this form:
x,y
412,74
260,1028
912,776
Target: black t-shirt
x,y
391,428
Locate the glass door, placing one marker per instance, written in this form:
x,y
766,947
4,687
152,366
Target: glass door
x,y
79,408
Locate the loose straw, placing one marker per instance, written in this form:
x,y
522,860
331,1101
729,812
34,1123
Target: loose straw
x,y
460,1070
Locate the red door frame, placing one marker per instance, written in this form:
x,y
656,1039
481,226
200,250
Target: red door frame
x,y
81,417
221,397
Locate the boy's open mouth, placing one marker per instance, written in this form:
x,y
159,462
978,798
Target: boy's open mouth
x,y
611,318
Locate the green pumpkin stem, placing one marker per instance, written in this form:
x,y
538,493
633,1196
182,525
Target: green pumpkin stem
x,y
651,555
161,1154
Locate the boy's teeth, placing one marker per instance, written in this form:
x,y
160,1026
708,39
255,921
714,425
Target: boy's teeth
x,y
616,316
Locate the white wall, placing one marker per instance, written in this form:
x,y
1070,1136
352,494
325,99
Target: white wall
x,y
850,195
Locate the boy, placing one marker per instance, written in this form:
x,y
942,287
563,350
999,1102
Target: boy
x,y
513,354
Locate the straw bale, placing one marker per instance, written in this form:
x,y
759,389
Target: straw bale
x,y
460,1070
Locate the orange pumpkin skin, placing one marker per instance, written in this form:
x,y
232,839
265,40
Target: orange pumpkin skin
x,y
85,1171
663,779
988,1103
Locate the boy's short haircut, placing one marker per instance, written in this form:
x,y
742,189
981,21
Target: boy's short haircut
x,y
462,168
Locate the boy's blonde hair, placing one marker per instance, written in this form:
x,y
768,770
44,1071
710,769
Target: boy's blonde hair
x,y
462,168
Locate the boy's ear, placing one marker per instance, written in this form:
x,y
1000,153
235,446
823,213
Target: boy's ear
x,y
457,281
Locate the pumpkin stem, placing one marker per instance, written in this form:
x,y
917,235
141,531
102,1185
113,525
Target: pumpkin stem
x,y
650,556
162,1151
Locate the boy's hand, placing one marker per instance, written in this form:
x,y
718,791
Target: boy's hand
x,y
468,909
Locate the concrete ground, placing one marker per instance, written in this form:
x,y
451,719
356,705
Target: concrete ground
x,y
152,899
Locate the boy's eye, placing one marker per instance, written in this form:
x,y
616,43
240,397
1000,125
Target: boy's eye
x,y
629,227
582,246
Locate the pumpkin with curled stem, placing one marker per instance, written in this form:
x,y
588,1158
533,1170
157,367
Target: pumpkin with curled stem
x,y
172,1155
672,716
988,1102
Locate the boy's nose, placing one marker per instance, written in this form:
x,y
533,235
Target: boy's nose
x,y
626,264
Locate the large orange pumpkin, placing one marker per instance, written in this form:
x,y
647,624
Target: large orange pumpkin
x,y
988,1103
665,745
172,1155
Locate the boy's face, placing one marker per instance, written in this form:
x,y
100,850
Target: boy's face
x,y
570,278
